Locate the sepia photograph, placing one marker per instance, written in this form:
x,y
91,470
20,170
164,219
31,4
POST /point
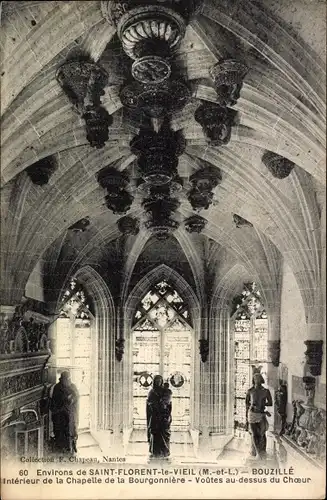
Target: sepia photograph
x,y
163,249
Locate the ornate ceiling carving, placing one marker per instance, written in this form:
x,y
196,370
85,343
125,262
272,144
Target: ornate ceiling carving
x,y
203,182
118,198
128,225
80,226
155,100
195,224
83,82
281,110
41,171
240,221
277,165
228,76
216,122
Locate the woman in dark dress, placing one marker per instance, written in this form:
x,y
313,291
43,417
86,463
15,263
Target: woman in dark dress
x,y
64,409
158,411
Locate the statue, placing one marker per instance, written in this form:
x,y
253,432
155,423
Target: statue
x,y
158,410
281,405
64,408
257,398
308,428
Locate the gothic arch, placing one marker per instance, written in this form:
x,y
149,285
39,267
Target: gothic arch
x,y
184,289
104,344
161,272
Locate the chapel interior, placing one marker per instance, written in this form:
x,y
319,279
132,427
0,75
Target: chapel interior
x,y
163,212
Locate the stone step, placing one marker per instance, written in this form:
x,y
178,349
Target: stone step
x,y
178,450
178,437
86,439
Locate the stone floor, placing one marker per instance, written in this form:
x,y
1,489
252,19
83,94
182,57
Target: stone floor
x,y
181,444
235,454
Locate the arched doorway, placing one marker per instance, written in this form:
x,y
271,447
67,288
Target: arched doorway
x,y
162,343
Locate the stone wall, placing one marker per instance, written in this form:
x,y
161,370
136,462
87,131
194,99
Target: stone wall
x,y
293,334
34,286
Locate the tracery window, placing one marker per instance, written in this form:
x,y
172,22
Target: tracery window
x,y
162,344
251,347
73,345
161,304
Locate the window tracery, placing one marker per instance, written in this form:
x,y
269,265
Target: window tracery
x,y
160,306
250,346
162,344
75,302
74,344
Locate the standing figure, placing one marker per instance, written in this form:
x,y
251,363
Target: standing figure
x,y
64,408
158,412
257,398
281,405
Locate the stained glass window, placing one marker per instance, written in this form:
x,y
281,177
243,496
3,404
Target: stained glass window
x,y
75,301
251,345
74,347
162,344
162,314
162,287
160,305
149,300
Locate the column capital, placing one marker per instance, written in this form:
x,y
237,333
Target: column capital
x,y
274,351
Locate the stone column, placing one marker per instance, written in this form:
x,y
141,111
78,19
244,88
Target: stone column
x,y
217,401
52,336
274,346
314,347
121,381
203,350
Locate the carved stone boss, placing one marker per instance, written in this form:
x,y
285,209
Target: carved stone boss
x,y
83,82
217,119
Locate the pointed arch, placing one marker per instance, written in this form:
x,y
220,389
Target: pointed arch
x,y
159,273
103,345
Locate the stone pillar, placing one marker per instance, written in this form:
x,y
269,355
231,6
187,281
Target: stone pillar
x,y
205,353
274,346
52,336
217,399
121,381
314,345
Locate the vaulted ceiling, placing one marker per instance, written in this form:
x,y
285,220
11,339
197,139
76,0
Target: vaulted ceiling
x,y
281,109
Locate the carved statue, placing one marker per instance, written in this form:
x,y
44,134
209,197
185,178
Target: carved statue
x,y
308,429
281,405
257,398
64,409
